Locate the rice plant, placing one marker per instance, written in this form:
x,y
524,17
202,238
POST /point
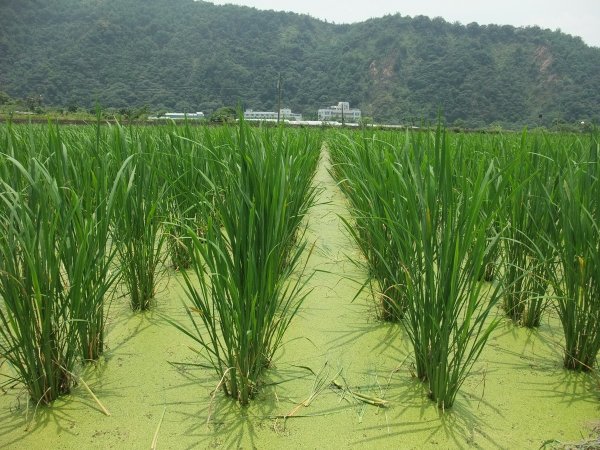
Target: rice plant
x,y
54,255
187,199
435,219
87,170
38,338
449,309
491,259
577,283
246,282
528,222
138,221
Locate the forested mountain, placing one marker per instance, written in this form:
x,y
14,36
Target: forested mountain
x,y
195,56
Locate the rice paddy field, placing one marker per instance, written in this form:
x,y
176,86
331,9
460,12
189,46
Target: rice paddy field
x,y
240,287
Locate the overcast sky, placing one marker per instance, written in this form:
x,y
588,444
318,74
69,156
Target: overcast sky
x,y
576,17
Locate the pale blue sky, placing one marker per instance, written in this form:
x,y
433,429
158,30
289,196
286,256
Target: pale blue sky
x,y
576,17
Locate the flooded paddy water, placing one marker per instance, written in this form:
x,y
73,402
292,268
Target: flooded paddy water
x,y
158,390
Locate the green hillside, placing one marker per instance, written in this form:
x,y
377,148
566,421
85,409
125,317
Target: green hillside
x,y
195,56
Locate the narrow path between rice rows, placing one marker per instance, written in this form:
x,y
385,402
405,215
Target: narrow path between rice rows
x,y
336,336
341,331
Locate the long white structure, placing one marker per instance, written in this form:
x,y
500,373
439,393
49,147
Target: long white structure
x,y
284,114
179,116
341,112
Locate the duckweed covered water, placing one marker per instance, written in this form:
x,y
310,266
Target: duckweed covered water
x,y
518,395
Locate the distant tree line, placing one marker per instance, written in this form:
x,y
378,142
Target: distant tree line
x,y
194,56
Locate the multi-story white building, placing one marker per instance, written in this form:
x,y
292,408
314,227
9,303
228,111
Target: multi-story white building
x,y
284,114
341,111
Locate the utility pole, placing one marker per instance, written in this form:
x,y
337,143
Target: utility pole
x,y
279,97
343,114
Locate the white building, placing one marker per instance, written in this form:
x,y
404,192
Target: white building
x,y
179,116
284,114
341,112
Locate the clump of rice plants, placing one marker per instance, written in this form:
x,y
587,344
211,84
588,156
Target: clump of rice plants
x,y
87,170
577,282
433,211
187,198
37,336
54,257
490,266
246,282
138,221
447,314
526,245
